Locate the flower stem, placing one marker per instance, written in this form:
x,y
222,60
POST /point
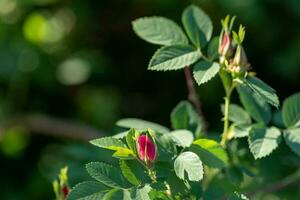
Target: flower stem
x,y
226,115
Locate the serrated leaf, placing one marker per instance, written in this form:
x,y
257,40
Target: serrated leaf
x,y
108,143
211,153
291,111
159,30
213,49
141,125
107,174
259,110
173,58
198,25
117,194
190,163
204,71
237,114
142,193
183,138
88,190
292,139
263,141
263,90
184,116
241,130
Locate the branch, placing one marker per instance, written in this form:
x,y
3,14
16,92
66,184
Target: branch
x,y
193,95
52,126
280,185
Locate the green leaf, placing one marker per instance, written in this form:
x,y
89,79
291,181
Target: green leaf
x,y
114,144
263,141
128,173
87,191
124,153
119,194
241,130
263,90
173,58
291,111
292,138
108,143
183,138
204,71
237,114
190,163
184,116
259,110
159,30
143,193
197,25
131,141
141,125
107,174
237,196
210,152
213,49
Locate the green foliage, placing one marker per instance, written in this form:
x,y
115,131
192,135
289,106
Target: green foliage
x,y
159,30
141,125
190,163
237,114
262,140
197,25
176,169
292,138
212,50
184,116
107,174
254,104
211,153
204,71
183,138
291,111
263,90
87,190
173,58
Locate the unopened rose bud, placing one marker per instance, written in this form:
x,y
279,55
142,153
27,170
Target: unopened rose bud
x,y
226,45
65,191
240,61
146,148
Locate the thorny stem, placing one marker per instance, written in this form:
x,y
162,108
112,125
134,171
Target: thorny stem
x,y
193,95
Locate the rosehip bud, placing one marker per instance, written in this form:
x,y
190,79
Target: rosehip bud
x,y
146,148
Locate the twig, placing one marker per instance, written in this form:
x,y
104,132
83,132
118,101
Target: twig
x,y
52,126
193,95
280,185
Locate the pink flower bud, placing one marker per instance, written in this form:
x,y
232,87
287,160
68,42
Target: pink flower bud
x,y
226,45
65,191
146,148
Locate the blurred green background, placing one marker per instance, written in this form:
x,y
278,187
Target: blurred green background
x,y
65,62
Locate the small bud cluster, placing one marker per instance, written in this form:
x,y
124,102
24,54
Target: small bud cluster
x,y
232,53
61,186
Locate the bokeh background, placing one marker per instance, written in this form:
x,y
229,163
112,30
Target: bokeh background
x,y
69,64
